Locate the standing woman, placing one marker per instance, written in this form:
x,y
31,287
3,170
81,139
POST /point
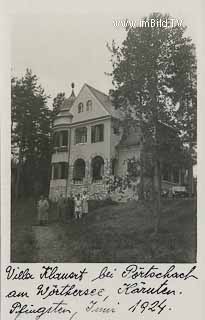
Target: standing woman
x,y
43,207
85,203
78,207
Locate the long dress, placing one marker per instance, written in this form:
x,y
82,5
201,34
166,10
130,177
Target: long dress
x,y
43,210
85,203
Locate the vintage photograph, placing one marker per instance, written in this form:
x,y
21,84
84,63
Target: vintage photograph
x,y
103,139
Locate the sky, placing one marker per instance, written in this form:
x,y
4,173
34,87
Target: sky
x,y
70,45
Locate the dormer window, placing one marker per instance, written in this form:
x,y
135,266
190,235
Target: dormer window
x,y
89,105
80,107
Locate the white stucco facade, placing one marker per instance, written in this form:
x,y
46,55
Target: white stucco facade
x,y
89,145
99,113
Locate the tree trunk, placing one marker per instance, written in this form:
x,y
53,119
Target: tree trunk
x,y
190,180
142,178
157,196
18,176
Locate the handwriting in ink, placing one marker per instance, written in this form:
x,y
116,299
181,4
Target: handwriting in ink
x,y
94,306
56,308
52,273
15,274
155,306
134,271
15,294
67,290
143,287
104,273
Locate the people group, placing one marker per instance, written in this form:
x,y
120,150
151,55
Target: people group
x,y
75,206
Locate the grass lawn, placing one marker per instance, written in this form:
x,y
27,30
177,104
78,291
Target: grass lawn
x,y
117,233
23,216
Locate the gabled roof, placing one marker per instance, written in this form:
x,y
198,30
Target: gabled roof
x,y
105,102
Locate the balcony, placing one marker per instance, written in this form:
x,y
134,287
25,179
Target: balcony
x,y
97,180
60,149
78,181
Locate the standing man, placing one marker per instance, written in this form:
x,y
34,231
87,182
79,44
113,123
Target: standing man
x,y
61,208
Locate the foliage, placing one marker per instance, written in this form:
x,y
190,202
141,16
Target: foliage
x,y
57,102
30,132
154,78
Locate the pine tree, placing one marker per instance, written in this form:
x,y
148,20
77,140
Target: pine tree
x,y
151,78
30,134
57,102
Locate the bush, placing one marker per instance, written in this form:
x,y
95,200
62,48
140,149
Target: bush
x,y
95,204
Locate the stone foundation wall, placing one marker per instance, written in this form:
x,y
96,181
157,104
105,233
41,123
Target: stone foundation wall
x,y
95,190
56,191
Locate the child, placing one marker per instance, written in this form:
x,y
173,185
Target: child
x,y
78,207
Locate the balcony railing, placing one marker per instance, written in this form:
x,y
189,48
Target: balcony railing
x,y
78,181
97,180
60,149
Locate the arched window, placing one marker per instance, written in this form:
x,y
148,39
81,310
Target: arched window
x,y
114,167
97,168
79,171
80,107
89,105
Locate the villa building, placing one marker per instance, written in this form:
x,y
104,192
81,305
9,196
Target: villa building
x,y
89,145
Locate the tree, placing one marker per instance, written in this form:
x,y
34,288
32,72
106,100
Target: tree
x,y
30,134
187,111
57,102
150,71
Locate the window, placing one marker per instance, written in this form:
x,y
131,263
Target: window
x,y
56,139
63,170
60,170
114,167
64,138
97,133
176,175
55,171
97,168
81,135
80,107
116,127
89,105
60,139
116,130
79,171
166,173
